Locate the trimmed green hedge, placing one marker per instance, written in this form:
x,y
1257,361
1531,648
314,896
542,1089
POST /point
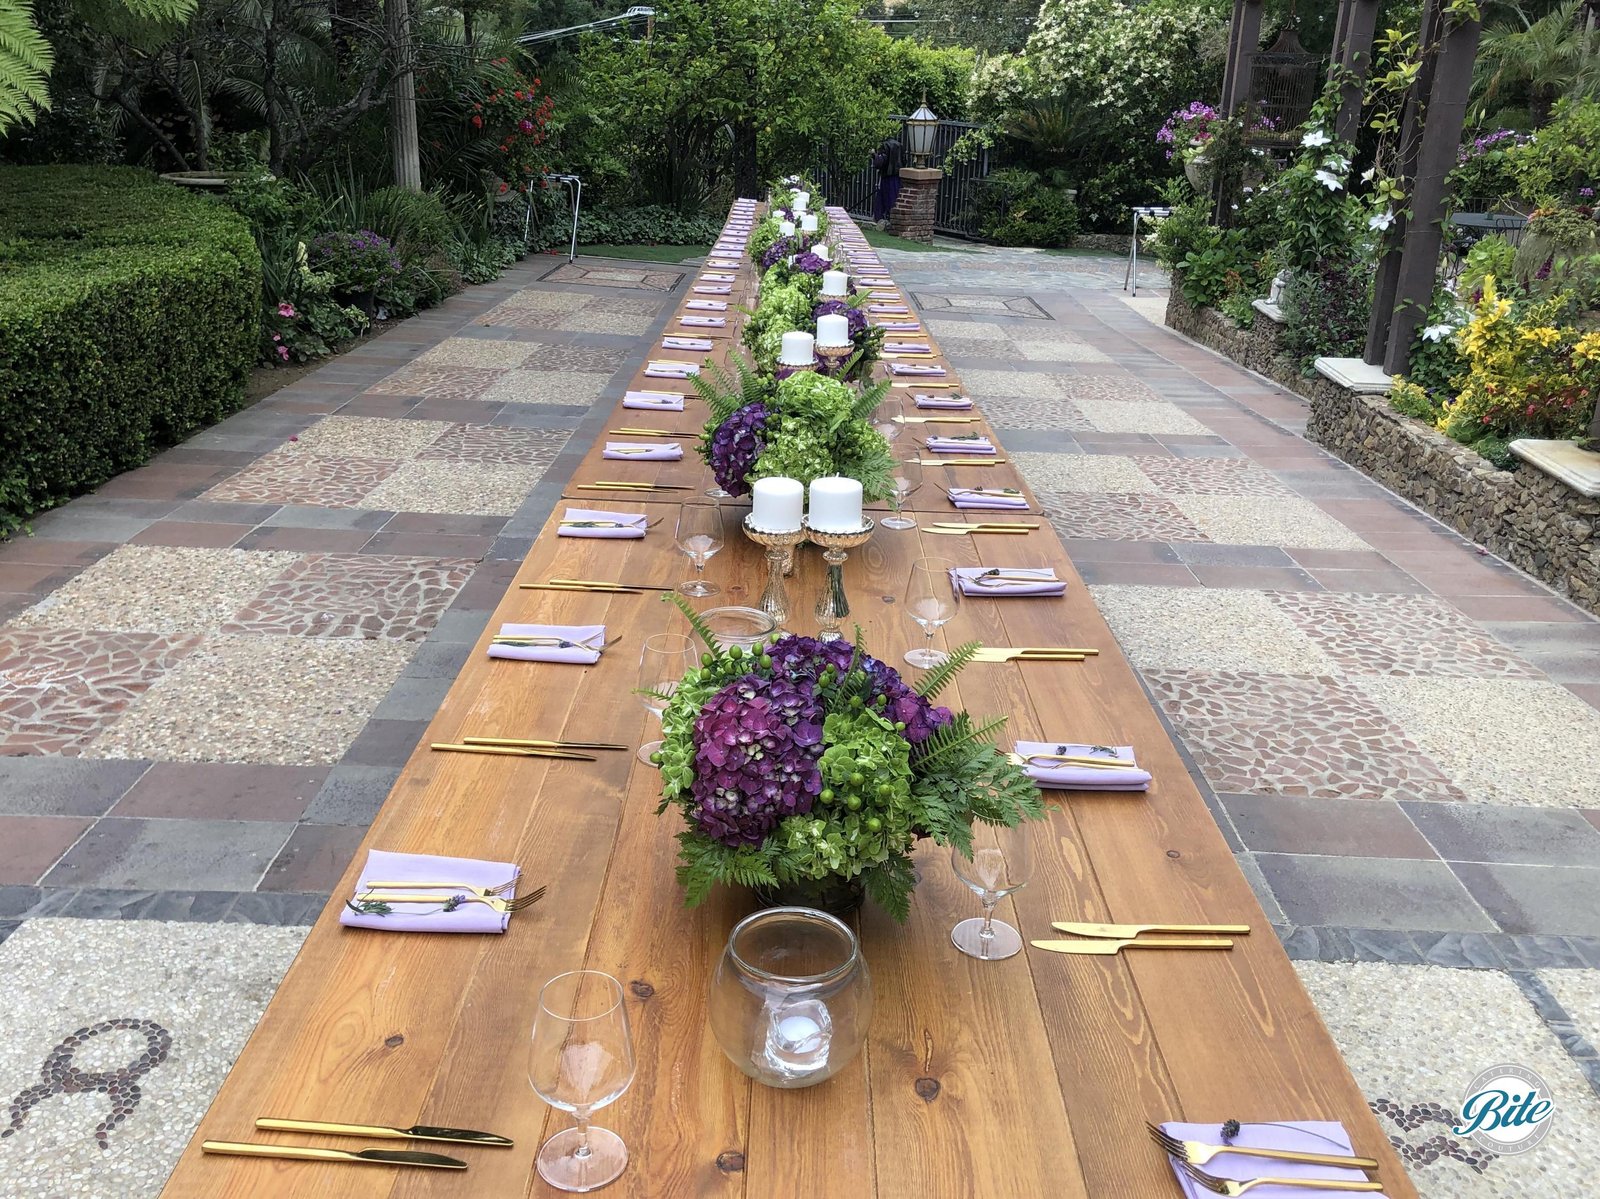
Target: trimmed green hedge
x,y
129,314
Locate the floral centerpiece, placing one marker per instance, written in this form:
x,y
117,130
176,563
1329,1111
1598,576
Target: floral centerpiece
x,y
809,769
803,427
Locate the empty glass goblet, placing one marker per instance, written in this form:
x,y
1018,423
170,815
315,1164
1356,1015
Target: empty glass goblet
x,y
1001,862
884,418
700,535
931,602
906,479
665,659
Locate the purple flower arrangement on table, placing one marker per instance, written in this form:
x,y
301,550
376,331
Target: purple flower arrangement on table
x,y
865,338
736,445
802,766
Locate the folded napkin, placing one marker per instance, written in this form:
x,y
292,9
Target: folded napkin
x,y
713,289
1066,777
885,294
1299,1135
667,369
961,403
704,322
385,867
966,577
973,443
894,309
635,521
661,401
874,280
973,497
685,343
595,634
728,262
907,347
716,277
915,368
900,326
644,451
708,305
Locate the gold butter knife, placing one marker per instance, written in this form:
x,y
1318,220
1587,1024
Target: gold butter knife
x,y
511,751
417,1132
1133,930
1106,948
305,1153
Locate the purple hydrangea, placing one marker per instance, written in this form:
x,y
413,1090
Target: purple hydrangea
x,y
856,318
736,445
756,745
811,264
806,658
776,253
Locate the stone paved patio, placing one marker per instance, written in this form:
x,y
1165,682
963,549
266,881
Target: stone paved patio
x,y
1396,732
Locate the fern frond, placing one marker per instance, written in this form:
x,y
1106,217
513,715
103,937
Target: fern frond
x,y
25,61
937,679
701,628
890,884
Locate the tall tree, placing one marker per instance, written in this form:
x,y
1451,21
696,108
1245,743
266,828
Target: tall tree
x,y
403,148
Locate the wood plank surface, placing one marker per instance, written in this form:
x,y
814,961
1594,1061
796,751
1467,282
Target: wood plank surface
x,y
1026,1077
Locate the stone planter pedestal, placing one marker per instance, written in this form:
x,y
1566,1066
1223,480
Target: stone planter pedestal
x,y
913,213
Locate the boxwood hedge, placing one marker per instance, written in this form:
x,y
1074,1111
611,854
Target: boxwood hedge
x,y
129,314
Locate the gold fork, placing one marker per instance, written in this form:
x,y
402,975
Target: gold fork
x,y
495,902
1227,1186
1198,1153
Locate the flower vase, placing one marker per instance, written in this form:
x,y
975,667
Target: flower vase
x,y
836,896
1198,171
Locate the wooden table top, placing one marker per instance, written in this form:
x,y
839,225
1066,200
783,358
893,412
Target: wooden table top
x,y
1026,1077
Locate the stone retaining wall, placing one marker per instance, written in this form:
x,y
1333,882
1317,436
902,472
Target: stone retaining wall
x,y
1112,243
1530,519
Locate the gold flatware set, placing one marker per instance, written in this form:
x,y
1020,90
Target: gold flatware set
x,y
652,433
961,461
366,1157
591,585
528,747
642,523
1198,1153
1107,940
1051,761
936,420
956,528
1001,653
623,485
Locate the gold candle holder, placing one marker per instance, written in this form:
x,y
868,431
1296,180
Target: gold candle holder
x,y
833,606
780,561
833,358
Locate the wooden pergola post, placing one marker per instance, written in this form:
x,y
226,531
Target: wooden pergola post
x,y
1244,41
1352,57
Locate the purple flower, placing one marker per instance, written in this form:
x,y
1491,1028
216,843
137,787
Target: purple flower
x,y
776,253
811,264
1586,192
807,658
856,318
736,445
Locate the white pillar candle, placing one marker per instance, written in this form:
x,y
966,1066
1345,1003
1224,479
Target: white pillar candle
x,y
833,330
786,228
835,506
835,283
821,251
798,349
808,222
802,200
776,505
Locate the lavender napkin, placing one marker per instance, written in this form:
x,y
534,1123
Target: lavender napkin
x,y
725,262
385,867
704,322
885,294
708,305
900,326
915,368
716,277
667,369
966,577
713,289
892,309
974,444
660,401
637,451
955,402
907,347
685,343
1065,777
971,497
1299,1135
594,634
634,520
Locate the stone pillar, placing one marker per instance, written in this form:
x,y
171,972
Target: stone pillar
x,y
913,213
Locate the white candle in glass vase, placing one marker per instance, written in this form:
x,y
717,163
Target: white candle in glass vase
x,y
835,506
833,330
798,349
835,283
808,222
786,228
776,505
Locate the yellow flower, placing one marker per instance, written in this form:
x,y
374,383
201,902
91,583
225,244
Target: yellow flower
x,y
1588,347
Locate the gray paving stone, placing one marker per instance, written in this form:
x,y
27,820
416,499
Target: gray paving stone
x,y
1467,832
1465,951
39,785
223,855
413,698
460,626
438,659
303,516
69,524
1535,899
1523,952
1201,553
223,513
352,795
1377,893
275,907
1258,884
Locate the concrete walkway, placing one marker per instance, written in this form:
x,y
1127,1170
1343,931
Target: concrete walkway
x,y
212,669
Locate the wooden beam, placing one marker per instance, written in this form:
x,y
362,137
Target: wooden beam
x,y
1246,45
1360,18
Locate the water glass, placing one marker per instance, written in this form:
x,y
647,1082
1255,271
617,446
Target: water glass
x,y
884,418
931,602
906,479
663,661
1001,862
580,1059
700,535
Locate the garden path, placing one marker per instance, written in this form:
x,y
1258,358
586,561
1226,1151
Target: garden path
x,y
1360,692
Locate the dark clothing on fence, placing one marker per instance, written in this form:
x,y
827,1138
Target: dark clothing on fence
x,y
886,161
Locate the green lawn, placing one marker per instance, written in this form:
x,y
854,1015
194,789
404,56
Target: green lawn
x,y
646,253
888,241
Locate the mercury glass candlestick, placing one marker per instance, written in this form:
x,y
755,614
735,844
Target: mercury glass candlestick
x,y
834,605
779,549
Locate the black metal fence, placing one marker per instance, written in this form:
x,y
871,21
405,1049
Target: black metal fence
x,y
856,187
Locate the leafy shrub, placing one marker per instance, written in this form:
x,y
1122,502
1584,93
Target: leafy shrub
x,y
651,225
129,313
1319,221
1484,177
1187,231
1492,255
1563,158
1560,255
1020,208
1205,275
1325,310
361,263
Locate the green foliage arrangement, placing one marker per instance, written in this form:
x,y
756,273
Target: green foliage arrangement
x,y
1325,310
1492,255
781,308
129,315
649,225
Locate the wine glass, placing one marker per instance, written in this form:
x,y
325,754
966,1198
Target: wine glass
x,y
930,601
1001,862
716,490
699,536
665,659
580,1059
883,418
907,478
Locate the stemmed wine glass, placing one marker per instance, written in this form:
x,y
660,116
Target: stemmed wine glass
x,y
665,659
931,602
907,478
716,490
883,418
580,1059
1001,862
700,536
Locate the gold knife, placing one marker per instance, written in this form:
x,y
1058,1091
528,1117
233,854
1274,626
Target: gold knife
x,y
305,1153
973,529
417,1132
1133,930
1027,655
511,751
960,461
606,583
1106,948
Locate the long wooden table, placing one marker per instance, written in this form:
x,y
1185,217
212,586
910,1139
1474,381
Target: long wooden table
x,y
1027,1077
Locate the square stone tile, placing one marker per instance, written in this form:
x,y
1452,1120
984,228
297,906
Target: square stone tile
x,y
977,347
1120,416
1120,387
1059,349
314,858
295,476
461,487
47,785
222,791
286,700
60,687
559,356
31,845
496,445
1543,900
1209,476
1019,384
209,855
590,320
626,305
438,381
158,589
1130,516
1491,833
1398,635
517,316
355,595
986,330
1336,827
476,352
352,795
549,301
1514,741
1258,520
1371,893
1198,629
1103,473
1013,412
578,389
369,437
1266,734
